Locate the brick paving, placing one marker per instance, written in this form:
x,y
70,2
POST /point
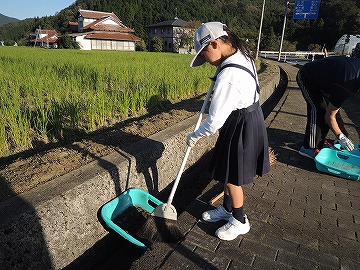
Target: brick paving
x,y
300,218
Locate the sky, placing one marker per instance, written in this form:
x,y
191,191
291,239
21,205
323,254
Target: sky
x,y
22,9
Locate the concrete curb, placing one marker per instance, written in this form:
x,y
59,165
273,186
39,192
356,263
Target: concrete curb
x,y
53,224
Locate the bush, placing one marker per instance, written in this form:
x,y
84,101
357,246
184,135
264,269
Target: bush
x,y
141,46
157,44
66,42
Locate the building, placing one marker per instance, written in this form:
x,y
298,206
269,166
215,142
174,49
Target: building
x,y
346,44
44,38
174,33
96,30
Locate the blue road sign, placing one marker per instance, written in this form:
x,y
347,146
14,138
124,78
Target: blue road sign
x,y
306,9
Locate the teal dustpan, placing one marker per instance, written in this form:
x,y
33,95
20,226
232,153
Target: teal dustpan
x,y
138,197
131,197
338,162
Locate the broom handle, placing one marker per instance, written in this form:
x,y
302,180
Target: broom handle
x,y
188,149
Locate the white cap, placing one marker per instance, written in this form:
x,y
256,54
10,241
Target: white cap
x,y
206,33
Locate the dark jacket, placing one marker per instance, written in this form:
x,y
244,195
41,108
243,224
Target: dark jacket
x,y
335,77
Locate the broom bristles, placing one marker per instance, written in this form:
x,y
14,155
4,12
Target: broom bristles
x,y
272,156
158,229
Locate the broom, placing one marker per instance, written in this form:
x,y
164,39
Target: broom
x,y
162,225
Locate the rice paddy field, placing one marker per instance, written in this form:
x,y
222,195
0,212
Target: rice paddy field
x,y
47,94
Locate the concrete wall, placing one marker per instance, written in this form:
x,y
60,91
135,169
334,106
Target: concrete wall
x,y
51,225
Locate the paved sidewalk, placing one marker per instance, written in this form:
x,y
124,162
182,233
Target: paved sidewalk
x,y
300,218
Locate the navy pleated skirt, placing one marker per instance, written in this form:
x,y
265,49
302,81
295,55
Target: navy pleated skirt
x,y
241,151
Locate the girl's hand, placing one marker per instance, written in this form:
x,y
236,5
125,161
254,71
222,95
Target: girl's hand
x,y
191,139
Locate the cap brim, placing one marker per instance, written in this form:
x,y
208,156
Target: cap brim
x,y
198,59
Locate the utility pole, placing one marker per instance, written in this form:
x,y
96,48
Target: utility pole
x,y
283,30
260,29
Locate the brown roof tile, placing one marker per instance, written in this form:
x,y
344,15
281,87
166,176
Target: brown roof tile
x,y
45,40
95,14
100,25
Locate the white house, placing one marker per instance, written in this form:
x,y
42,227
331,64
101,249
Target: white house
x,y
172,32
102,31
44,38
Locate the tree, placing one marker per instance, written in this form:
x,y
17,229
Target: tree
x,y
157,44
9,42
141,46
184,39
66,42
270,41
314,47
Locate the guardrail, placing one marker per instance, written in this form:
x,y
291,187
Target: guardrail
x,y
294,54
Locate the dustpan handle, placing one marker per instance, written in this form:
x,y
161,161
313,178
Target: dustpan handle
x,y
188,149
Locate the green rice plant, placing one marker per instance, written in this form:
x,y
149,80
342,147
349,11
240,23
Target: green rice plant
x,y
40,120
56,121
49,92
4,147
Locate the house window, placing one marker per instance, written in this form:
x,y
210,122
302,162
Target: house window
x,y
106,45
113,45
169,30
165,43
154,30
96,44
162,30
126,45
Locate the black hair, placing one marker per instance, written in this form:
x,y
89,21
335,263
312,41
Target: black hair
x,y
236,42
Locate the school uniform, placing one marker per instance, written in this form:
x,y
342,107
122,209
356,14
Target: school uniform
x,y
329,80
241,151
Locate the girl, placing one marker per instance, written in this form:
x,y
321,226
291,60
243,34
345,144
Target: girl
x,y
241,151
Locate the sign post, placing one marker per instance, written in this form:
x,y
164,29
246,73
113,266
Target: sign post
x,y
261,23
306,9
303,9
283,30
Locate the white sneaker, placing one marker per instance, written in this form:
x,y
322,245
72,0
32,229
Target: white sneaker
x,y
217,214
233,229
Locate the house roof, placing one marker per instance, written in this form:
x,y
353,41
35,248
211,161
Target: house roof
x,y
174,22
113,36
91,14
100,25
45,40
49,36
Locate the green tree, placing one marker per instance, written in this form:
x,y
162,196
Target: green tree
x,y
66,42
141,46
270,41
314,47
157,44
9,42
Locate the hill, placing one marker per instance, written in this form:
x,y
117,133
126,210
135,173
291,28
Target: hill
x,y
5,19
